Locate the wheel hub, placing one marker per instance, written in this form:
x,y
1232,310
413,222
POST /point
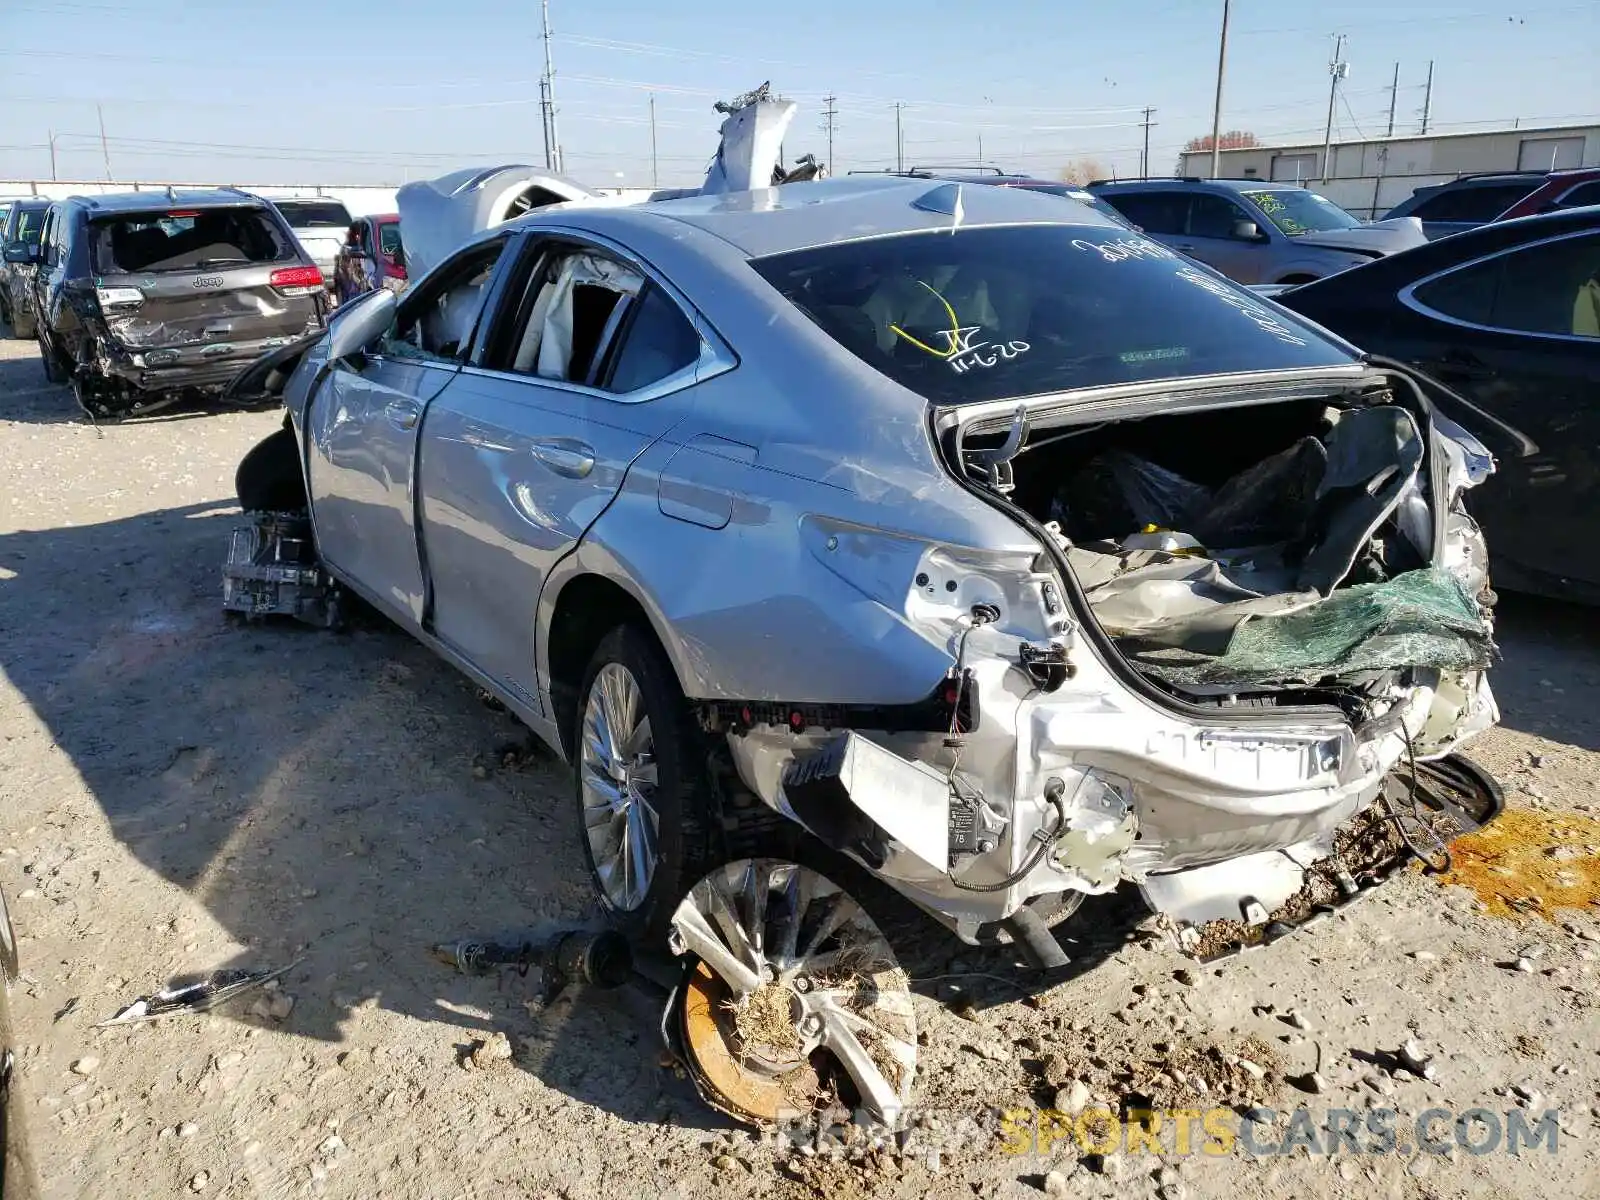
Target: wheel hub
x,y
796,998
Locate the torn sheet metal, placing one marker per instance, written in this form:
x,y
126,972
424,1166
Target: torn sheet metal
x,y
752,143
216,988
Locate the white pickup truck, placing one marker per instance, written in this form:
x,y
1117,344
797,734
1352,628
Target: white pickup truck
x,y
320,225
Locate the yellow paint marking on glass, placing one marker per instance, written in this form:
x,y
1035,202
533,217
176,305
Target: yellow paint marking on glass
x,y
955,328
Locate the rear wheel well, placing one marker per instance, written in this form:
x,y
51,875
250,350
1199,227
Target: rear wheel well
x,y
588,608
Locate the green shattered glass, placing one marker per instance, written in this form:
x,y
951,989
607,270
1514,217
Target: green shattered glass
x,y
1417,619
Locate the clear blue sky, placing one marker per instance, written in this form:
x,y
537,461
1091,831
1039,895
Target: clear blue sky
x,y
356,91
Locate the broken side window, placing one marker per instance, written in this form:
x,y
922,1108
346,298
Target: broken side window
x,y
437,325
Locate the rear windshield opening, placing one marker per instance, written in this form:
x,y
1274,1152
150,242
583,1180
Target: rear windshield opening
x,y
1000,313
314,214
186,240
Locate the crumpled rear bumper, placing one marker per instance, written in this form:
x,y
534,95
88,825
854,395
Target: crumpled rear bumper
x,y
1211,820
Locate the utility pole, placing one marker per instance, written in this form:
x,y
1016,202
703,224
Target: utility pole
x,y
899,139
547,99
1394,94
104,150
829,116
1144,155
1427,99
655,177
1337,70
52,135
1216,109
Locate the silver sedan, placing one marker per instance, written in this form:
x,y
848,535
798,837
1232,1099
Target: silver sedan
x,y
953,535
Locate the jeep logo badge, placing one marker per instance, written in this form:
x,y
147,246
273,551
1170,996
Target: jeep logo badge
x,y
208,281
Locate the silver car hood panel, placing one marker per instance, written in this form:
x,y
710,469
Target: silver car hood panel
x,y
1383,237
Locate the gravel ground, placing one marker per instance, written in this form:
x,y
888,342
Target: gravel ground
x,y
181,794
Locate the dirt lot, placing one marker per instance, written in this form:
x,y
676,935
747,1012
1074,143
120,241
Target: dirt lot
x,y
180,794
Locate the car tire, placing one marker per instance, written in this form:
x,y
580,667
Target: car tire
x,y
638,789
5,314
54,372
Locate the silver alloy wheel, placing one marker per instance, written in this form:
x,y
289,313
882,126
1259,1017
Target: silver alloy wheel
x,y
617,771
795,983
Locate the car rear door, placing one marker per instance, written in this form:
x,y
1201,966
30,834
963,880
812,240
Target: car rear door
x,y
1519,334
362,429
587,366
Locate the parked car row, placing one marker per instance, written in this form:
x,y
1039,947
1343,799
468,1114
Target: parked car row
x,y
143,299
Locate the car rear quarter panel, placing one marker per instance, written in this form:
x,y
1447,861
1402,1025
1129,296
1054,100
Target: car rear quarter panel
x,y
705,532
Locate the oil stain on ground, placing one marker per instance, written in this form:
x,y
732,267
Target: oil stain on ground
x,y
1528,862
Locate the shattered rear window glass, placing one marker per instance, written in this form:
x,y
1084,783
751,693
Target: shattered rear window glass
x,y
186,240
999,313
389,237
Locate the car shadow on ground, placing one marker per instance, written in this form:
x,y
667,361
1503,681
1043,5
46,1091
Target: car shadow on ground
x,y
345,800
340,799
1550,661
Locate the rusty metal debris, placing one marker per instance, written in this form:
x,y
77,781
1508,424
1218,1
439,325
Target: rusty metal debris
x,y
599,958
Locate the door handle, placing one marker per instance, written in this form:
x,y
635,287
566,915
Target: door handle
x,y
403,414
565,456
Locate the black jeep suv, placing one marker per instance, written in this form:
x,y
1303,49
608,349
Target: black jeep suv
x,y
147,297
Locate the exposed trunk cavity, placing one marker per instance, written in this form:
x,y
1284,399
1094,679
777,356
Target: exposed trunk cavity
x,y
1287,545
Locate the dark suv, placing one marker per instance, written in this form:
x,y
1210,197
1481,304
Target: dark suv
x,y
20,224
1466,203
144,298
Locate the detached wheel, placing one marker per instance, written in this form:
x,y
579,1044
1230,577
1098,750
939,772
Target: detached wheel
x,y
641,784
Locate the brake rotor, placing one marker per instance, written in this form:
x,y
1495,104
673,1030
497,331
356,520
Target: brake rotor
x,y
796,1000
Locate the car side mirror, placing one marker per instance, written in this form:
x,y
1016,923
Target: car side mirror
x,y
1247,231
21,253
360,323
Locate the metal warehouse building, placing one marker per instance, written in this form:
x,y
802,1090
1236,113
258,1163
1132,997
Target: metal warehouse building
x,y
1370,177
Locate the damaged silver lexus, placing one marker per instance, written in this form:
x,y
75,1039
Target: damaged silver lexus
x,y
957,532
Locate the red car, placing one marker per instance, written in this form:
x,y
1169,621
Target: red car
x,y
1576,188
372,257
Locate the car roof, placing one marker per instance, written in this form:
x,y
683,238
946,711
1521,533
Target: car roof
x,y
1459,248
1189,181
824,212
130,202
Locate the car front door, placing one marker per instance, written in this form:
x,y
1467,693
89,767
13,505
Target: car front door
x,y
46,278
1519,334
586,366
362,431
1214,240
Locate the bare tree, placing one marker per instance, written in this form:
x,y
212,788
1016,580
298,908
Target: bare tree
x,y
1084,170
1233,139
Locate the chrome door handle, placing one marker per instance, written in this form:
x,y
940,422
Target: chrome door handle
x,y
403,414
565,456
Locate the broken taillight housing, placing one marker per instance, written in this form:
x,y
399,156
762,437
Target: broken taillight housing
x,y
296,281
